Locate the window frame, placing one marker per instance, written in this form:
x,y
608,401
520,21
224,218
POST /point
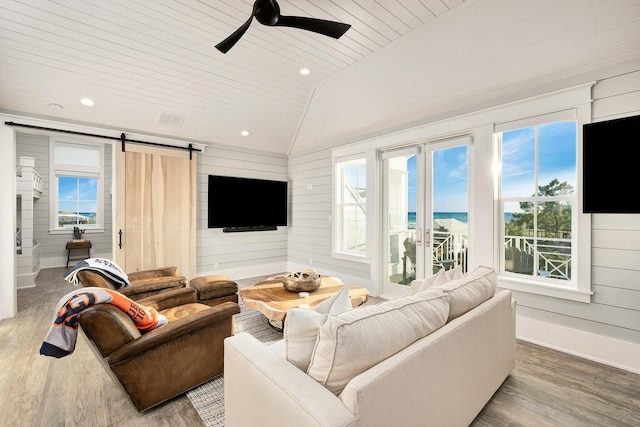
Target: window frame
x,y
61,169
578,288
338,225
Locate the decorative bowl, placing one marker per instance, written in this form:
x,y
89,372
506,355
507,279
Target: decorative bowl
x,y
305,281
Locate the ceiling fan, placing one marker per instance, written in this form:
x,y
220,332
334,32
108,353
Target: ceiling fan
x,y
267,12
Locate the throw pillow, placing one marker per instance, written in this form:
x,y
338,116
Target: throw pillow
x,y
301,327
455,273
354,341
335,304
470,290
440,278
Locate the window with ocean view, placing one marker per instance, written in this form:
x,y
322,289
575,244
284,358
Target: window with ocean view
x,y
77,201
499,188
76,181
538,200
426,210
350,207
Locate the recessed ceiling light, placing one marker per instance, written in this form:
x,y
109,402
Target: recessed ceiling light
x,y
305,71
55,106
87,101
244,133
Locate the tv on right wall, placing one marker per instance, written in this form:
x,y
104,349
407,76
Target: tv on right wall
x,y
611,167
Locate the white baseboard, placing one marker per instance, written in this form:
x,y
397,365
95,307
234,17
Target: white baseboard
x,y
598,348
26,280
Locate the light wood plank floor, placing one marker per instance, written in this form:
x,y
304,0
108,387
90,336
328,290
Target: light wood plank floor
x,y
547,388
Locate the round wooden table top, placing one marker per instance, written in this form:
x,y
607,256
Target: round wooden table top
x,y
271,298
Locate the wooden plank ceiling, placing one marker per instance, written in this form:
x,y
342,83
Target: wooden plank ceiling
x,y
151,65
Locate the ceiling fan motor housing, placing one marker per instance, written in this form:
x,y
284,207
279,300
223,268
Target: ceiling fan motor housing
x,y
266,12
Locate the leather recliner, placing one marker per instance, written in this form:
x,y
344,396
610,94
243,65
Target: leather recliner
x,y
165,362
144,283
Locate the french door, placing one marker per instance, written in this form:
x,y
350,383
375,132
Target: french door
x,y
425,211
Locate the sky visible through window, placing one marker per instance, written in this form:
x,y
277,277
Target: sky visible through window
x,y
556,159
450,180
78,196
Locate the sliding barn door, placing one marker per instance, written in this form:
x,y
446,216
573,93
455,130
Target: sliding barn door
x,y
155,209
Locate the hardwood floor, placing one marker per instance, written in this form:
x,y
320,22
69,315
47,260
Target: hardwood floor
x,y
547,388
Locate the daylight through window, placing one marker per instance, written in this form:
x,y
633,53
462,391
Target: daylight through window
x,y
76,182
351,211
538,200
77,201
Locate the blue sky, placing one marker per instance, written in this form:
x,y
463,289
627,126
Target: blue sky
x,y
556,159
450,171
72,190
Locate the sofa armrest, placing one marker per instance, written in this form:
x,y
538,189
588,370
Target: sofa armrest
x,y
170,298
152,273
465,360
261,388
189,325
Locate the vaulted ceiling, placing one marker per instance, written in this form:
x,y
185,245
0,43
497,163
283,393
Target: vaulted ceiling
x,y
151,65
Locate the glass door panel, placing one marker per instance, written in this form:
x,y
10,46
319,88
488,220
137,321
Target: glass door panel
x,y
400,216
425,212
448,232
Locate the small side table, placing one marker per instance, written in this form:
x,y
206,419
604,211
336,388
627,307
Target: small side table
x,y
78,244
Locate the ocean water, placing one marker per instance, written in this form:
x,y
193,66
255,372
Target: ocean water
x,y
460,216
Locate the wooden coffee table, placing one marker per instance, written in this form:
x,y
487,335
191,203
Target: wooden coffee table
x,y
271,298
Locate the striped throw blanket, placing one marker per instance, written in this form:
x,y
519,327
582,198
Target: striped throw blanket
x,y
61,338
105,267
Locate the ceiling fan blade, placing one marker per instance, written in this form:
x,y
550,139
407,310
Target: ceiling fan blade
x,y
228,43
321,26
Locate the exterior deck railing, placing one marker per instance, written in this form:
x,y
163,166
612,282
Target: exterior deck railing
x,y
449,249
551,256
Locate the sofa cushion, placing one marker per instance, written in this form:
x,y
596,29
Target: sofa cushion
x,y
354,341
301,327
470,291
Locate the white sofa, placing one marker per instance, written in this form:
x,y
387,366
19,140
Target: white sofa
x,y
442,379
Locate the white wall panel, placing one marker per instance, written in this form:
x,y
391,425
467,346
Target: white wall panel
x,y
310,231
52,246
238,254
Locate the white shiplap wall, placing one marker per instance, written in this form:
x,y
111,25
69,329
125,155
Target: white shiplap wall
x,y
311,212
52,246
245,254
614,311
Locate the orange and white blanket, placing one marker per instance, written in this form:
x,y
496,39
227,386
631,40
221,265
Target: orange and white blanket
x,y
61,338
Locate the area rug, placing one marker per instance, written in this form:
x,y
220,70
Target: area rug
x,y
208,399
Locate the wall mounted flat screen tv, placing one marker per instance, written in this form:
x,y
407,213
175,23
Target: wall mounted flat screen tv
x,y
610,167
246,204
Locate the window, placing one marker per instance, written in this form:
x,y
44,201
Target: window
x,y
350,207
538,196
76,185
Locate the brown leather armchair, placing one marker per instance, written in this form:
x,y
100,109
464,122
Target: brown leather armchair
x,y
144,283
167,361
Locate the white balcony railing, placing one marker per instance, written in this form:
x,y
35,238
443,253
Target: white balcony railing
x,y
547,257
